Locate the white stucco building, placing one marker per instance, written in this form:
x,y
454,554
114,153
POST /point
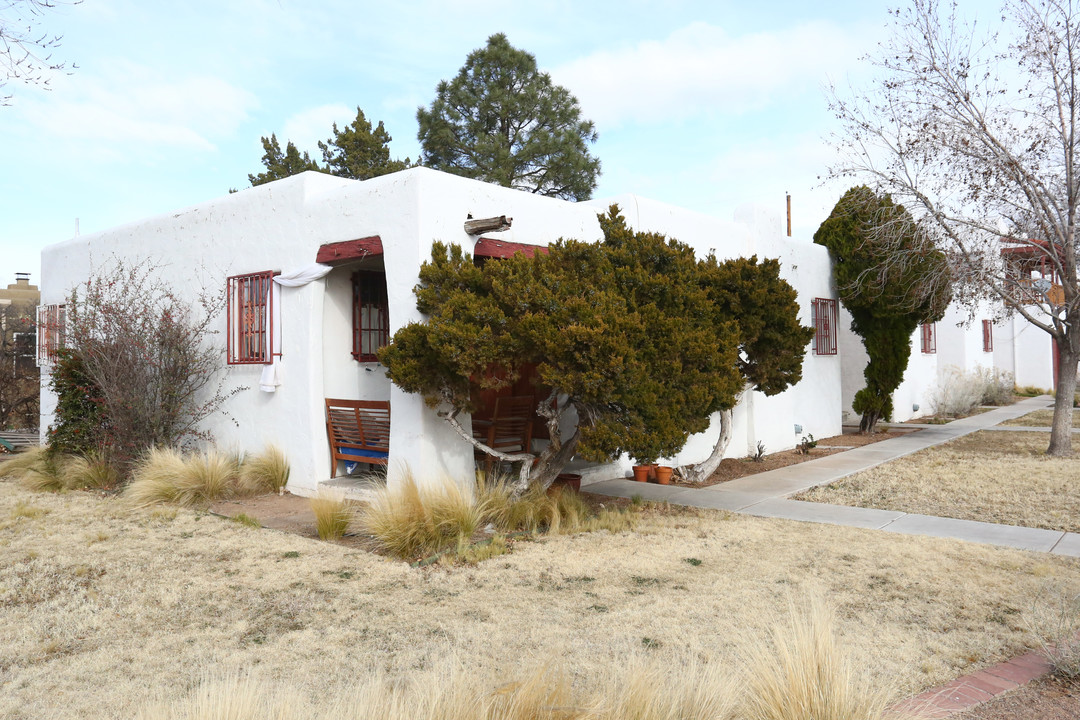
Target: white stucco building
x,y
374,235
964,341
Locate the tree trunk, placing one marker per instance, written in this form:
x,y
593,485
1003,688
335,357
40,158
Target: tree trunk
x,y
549,467
702,471
869,421
1061,429
555,456
549,463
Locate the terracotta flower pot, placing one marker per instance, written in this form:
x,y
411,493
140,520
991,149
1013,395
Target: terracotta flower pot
x,y
641,473
569,481
663,475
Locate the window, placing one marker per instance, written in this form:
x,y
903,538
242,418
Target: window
x,y
51,331
824,316
929,338
371,316
250,313
988,335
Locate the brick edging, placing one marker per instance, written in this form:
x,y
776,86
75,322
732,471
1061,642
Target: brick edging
x,y
966,692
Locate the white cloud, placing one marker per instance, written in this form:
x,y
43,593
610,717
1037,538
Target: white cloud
x,y
764,170
132,105
308,127
700,69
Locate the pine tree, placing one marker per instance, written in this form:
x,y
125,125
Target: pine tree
x,y
280,164
503,121
358,152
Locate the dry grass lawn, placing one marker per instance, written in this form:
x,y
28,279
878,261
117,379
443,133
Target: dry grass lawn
x,y
992,476
105,609
1040,418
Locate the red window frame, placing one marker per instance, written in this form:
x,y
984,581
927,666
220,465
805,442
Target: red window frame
x,y
929,338
250,318
823,311
51,332
370,315
988,335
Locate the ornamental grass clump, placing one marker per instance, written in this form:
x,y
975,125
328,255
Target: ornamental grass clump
x,y
154,478
333,515
91,471
166,475
14,466
435,695
801,672
553,511
647,689
205,477
43,470
268,471
45,473
409,520
1054,619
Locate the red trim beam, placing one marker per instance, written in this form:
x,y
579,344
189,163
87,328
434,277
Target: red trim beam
x,y
488,247
339,252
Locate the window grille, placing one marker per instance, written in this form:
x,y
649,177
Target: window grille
x,y
824,317
51,332
988,335
371,316
929,338
250,313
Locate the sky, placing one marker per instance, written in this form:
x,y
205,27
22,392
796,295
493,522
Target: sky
x,y
705,105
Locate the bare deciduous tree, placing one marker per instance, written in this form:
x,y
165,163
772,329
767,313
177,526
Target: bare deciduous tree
x,y
976,130
26,53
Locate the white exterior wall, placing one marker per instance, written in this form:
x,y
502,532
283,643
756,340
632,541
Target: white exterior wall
x,y
853,360
912,398
1032,354
960,340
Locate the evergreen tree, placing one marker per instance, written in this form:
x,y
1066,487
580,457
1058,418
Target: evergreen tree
x,y
891,278
280,164
635,334
503,121
358,152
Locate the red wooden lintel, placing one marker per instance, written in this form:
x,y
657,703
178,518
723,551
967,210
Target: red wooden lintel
x,y
339,252
488,247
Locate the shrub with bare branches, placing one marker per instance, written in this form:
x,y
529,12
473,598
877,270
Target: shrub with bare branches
x,y
150,354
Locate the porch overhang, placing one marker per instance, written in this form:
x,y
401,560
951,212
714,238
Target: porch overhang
x,y
349,250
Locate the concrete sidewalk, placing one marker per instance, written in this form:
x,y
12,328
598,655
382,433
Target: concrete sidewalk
x,y
766,494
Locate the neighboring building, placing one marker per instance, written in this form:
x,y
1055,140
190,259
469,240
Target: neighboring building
x,y
963,342
316,339
18,371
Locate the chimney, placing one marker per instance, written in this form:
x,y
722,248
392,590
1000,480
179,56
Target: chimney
x,y
788,214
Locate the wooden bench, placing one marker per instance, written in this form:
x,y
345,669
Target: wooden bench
x,y
359,432
510,428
